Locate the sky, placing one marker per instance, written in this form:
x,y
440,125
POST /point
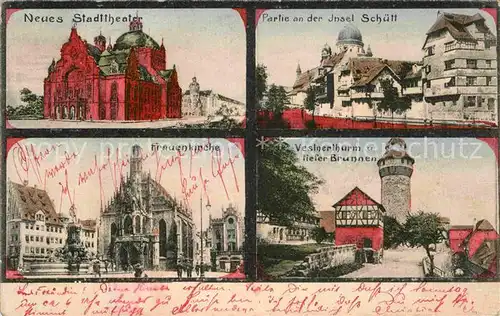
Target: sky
x,y
208,43
453,177
77,156
281,45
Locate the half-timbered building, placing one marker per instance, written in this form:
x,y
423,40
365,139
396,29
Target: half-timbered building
x,y
359,220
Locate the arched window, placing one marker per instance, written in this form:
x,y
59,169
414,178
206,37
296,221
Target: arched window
x,y
163,238
137,224
127,225
114,101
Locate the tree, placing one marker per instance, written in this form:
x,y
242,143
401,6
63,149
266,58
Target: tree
x,y
276,99
393,233
423,230
310,101
260,83
33,105
228,117
319,234
392,101
283,185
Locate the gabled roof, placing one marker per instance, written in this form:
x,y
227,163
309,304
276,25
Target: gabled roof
x,y
484,225
304,80
364,70
456,25
356,197
31,200
333,60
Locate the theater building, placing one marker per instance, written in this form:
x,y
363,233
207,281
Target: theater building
x,y
124,81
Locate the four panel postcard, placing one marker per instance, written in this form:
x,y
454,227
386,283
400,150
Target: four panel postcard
x,y
286,158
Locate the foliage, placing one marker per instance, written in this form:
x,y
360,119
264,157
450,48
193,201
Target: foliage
x,y
393,233
319,234
423,230
392,101
284,185
336,271
260,83
280,252
33,105
276,99
228,120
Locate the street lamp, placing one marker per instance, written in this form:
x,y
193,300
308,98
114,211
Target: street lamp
x,y
208,206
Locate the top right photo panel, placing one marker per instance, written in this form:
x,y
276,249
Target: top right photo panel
x,y
376,69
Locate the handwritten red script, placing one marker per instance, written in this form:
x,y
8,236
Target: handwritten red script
x,y
219,167
129,299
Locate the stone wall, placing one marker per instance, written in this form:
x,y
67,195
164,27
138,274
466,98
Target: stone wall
x,y
329,257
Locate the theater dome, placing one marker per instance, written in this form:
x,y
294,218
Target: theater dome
x,y
350,34
135,39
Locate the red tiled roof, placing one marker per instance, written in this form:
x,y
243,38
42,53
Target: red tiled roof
x,y
364,70
356,197
333,60
304,79
327,221
31,200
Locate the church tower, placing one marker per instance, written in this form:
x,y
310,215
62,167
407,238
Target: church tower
x,y
136,162
395,170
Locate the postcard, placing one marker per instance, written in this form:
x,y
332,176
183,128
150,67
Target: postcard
x,y
125,68
125,208
377,208
376,68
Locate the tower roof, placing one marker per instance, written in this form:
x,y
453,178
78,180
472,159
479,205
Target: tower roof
x,y
396,148
350,34
135,39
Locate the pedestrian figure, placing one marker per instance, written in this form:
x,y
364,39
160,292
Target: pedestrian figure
x,y
97,267
189,267
197,269
106,263
138,270
179,270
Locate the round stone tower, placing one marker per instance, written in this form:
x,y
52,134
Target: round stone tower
x,y
395,170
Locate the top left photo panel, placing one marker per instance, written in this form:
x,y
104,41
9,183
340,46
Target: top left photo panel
x,y
125,68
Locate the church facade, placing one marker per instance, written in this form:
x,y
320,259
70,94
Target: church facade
x,y
143,224
126,81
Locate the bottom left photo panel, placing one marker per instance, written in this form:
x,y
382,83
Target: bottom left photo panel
x,y
125,208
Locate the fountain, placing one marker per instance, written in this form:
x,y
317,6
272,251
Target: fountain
x,y
72,259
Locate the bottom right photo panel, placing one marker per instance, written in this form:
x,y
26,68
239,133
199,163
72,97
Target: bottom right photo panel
x,y
377,208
